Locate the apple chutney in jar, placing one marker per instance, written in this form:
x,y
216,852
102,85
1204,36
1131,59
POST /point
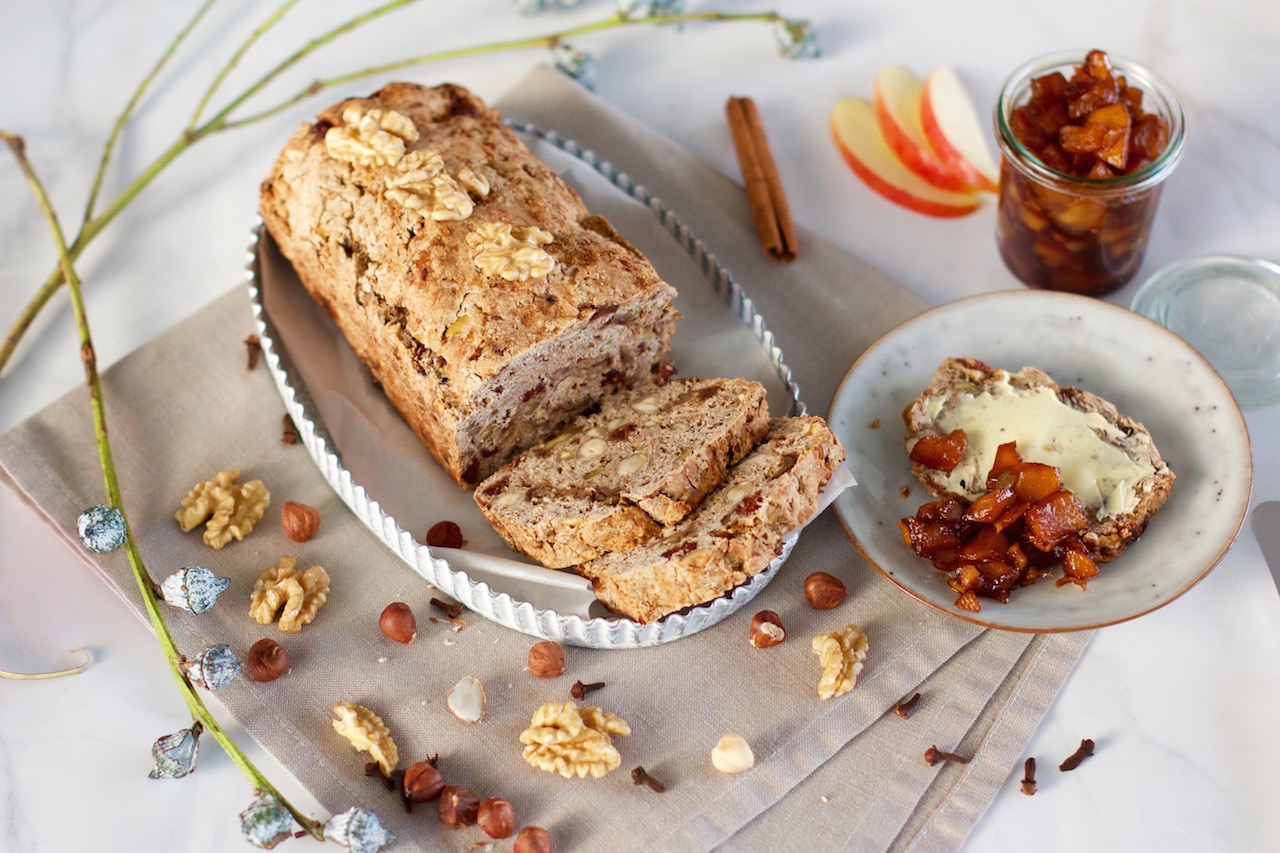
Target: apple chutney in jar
x,y
1086,147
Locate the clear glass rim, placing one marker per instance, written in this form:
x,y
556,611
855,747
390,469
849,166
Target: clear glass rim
x,y
1193,268
1154,89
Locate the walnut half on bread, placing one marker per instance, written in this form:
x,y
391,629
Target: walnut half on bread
x,y
1107,460
486,300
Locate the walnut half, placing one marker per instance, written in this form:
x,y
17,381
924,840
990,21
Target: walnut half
x,y
573,741
421,184
373,138
367,733
514,254
231,510
300,594
842,654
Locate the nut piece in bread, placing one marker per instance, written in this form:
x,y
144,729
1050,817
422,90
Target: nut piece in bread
x,y
486,300
734,533
605,481
1109,461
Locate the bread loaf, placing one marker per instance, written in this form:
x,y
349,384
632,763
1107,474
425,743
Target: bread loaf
x,y
1109,461
734,533
486,300
605,481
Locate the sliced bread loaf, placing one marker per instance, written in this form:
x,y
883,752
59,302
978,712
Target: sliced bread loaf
x,y
488,303
607,480
734,533
1109,461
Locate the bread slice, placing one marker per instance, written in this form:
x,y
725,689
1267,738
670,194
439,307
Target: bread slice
x,y
1109,461
484,342
734,533
605,481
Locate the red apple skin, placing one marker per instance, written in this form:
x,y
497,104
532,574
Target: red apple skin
x,y
896,184
942,146
911,148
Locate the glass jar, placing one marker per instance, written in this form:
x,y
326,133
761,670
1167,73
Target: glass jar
x,y
1058,231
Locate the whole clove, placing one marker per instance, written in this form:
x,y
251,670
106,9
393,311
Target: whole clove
x,y
254,348
933,756
1074,759
580,690
1029,777
450,610
290,432
905,707
641,777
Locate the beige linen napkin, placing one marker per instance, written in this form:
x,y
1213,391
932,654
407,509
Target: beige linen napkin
x,y
183,407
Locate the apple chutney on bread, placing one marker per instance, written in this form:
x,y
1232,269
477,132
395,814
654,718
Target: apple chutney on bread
x,y
488,303
1027,473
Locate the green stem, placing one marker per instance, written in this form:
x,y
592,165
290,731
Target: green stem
x,y
145,584
235,59
88,231
124,116
90,228
550,40
218,122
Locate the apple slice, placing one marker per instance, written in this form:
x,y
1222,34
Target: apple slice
x,y
860,143
898,114
951,125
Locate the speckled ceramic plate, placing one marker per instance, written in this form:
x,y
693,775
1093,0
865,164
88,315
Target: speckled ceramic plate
x,y
1150,375
385,476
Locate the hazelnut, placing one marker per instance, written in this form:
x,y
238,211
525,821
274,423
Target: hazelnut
x,y
300,521
458,807
496,817
267,660
467,700
422,782
824,591
532,839
767,630
445,534
546,660
397,622
733,754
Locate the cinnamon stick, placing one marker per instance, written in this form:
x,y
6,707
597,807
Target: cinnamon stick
x,y
769,206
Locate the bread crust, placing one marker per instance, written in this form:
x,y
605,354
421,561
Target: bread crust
x,y
479,366
1106,537
734,533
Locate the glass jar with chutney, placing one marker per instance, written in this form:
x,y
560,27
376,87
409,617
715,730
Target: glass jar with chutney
x,y
1086,145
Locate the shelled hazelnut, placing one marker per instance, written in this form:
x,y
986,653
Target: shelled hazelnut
x,y
445,534
300,521
546,660
267,660
733,754
824,591
467,700
397,622
496,817
767,630
532,839
422,782
457,807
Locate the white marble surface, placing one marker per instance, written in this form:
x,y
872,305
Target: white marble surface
x,y
1181,702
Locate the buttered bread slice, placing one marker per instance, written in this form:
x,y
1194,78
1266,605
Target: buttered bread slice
x,y
608,480
734,533
1107,460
